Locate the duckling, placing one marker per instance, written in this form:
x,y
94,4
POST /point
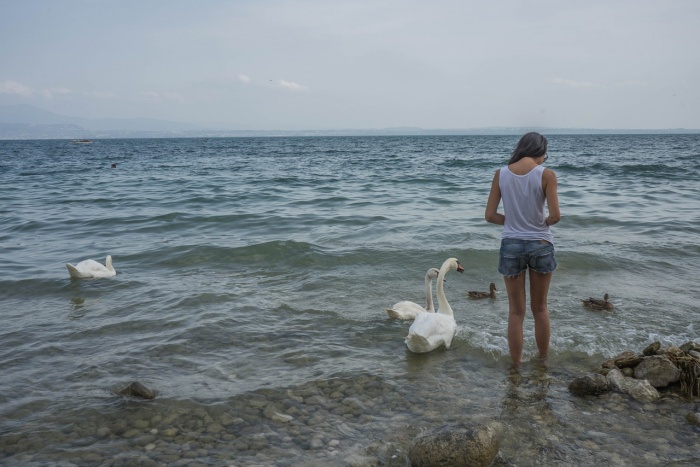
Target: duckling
x,y
490,294
597,304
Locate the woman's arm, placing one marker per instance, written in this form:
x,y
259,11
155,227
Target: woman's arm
x,y
549,179
491,214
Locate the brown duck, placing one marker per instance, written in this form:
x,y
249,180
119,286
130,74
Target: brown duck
x,y
490,294
597,304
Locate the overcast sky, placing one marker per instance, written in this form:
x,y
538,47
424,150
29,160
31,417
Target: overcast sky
x,y
325,64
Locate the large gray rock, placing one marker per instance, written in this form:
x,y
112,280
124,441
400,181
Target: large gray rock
x,y
658,370
590,385
137,390
456,445
638,389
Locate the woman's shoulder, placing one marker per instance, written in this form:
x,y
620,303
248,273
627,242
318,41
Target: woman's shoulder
x,y
549,173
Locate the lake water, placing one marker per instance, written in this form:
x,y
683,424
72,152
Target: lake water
x,y
252,279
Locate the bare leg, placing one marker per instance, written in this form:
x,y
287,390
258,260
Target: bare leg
x,y
515,286
539,289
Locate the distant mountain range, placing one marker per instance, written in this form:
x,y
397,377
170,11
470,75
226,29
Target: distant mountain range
x,y
28,122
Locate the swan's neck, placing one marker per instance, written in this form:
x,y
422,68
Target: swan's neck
x,y
108,263
428,293
443,306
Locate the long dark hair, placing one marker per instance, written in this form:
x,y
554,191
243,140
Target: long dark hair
x,y
530,145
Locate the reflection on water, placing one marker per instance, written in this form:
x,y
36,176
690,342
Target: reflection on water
x,y
76,308
528,413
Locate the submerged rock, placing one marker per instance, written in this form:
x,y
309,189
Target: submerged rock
x,y
137,390
693,418
592,385
450,445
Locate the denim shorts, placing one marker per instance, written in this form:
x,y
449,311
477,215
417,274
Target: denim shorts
x,y
518,255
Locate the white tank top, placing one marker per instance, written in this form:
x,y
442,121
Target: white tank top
x,y
523,203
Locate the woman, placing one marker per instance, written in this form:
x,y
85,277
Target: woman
x,y
527,241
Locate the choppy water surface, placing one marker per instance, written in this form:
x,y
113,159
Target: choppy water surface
x,y
252,277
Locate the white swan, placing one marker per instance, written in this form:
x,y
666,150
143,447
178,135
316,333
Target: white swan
x,y
432,330
91,269
409,310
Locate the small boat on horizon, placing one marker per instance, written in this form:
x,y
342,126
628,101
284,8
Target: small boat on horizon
x,y
82,141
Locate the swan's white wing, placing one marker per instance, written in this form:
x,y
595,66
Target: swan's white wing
x,y
73,271
429,331
405,310
89,268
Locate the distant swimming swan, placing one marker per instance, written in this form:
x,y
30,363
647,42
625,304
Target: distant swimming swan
x,y
91,269
409,310
432,330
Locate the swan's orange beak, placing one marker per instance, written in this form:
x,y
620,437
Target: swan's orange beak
x,y
459,267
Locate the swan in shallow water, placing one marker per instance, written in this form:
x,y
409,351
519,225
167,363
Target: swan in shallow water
x,y
432,330
409,310
91,269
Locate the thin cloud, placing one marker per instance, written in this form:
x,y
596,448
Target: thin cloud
x,y
174,96
101,94
13,87
54,92
291,85
244,78
572,83
162,96
632,84
19,89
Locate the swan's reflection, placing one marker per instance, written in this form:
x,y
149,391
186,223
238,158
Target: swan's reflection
x,y
76,308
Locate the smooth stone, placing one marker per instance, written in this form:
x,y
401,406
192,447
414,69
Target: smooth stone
x,y
658,370
651,349
282,418
693,418
316,443
638,389
592,384
627,358
141,424
449,445
690,345
138,390
170,432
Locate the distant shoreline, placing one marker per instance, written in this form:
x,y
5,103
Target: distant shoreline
x,y
26,122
